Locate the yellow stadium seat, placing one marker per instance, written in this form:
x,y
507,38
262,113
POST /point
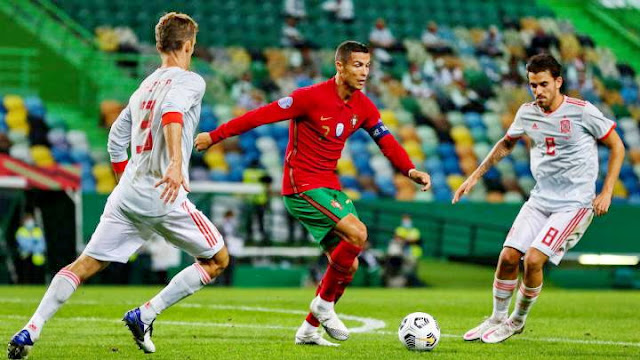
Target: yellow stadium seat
x,y
105,187
16,118
13,102
414,150
41,156
102,172
215,160
346,167
389,118
619,190
454,181
353,194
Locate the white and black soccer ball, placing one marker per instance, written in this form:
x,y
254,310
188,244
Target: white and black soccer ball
x,y
419,331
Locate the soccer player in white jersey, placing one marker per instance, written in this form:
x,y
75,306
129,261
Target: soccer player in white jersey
x,y
151,197
564,133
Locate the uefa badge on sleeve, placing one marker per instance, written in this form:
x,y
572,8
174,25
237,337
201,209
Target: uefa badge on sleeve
x,y
285,102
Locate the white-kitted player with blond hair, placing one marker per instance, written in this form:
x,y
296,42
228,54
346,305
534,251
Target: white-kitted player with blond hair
x,y
150,199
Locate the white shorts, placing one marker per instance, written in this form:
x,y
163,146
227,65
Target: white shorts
x,y
551,233
121,232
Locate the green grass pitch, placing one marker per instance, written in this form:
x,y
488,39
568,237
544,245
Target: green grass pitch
x,y
221,323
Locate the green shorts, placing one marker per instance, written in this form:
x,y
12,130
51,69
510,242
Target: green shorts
x,y
319,210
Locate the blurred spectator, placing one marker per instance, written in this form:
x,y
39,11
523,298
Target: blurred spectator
x,y
432,40
235,244
5,143
403,253
291,36
492,44
368,264
31,250
341,9
257,213
415,83
382,41
541,42
295,9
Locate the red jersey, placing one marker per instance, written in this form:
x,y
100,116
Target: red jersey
x,y
321,122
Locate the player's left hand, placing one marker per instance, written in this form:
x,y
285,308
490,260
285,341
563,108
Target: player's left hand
x,y
422,178
601,203
172,179
203,141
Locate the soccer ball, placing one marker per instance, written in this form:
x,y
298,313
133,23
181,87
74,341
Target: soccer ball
x,y
419,331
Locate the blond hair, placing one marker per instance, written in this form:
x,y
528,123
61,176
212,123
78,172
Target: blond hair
x,y
173,30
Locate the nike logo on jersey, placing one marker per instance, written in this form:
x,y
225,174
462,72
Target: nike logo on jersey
x,y
324,118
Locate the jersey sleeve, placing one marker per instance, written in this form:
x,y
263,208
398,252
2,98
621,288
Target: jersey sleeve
x,y
516,130
119,138
387,143
289,107
186,92
596,123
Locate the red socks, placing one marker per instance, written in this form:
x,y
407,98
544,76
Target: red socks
x,y
340,262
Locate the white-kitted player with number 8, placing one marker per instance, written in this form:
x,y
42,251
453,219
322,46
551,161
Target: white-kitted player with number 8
x,y
150,200
564,133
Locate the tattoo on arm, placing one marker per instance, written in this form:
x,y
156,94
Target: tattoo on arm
x,y
502,148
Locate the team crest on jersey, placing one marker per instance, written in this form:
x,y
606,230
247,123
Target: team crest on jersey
x,y
285,102
339,129
565,126
354,120
336,204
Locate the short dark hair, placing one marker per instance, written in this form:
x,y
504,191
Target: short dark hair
x,y
345,49
542,62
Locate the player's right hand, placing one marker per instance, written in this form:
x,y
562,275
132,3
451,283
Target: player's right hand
x,y
172,179
464,189
203,141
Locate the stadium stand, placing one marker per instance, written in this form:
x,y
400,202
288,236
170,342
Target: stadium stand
x,y
446,108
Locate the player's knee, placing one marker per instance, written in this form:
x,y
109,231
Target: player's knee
x,y
510,259
85,267
534,261
360,234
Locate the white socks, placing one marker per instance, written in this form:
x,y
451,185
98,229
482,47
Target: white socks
x,y
60,290
185,283
306,328
524,301
502,292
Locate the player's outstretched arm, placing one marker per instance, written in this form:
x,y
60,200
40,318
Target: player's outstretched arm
x,y
173,177
289,107
500,150
616,146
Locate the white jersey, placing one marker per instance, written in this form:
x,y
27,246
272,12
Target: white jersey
x,y
564,154
140,124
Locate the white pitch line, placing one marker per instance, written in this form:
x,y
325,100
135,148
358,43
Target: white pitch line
x,y
368,324
362,329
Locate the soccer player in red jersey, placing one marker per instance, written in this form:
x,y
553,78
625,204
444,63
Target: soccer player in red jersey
x,y
322,117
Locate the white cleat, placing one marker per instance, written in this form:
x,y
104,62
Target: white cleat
x,y
314,338
501,332
476,332
329,319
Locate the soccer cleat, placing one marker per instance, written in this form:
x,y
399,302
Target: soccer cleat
x,y
476,332
141,332
311,338
329,320
501,332
20,345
